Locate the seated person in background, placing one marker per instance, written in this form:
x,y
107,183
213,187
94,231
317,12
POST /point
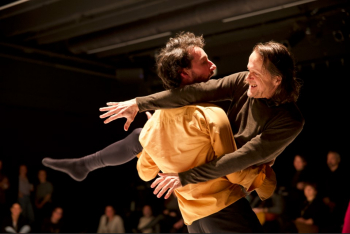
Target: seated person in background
x,y
53,224
16,223
170,220
110,222
296,186
331,184
146,219
270,211
313,214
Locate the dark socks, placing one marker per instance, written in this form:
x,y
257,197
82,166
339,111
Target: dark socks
x,y
115,154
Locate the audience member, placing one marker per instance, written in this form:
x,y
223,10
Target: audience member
x,y
54,223
270,211
296,186
170,221
4,186
110,222
331,185
313,213
24,190
346,225
16,223
43,196
146,219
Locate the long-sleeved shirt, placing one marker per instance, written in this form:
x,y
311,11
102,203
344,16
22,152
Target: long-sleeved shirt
x,y
179,139
261,129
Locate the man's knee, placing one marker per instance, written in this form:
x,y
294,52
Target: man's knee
x,y
136,132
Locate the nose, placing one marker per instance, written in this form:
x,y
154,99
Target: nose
x,y
212,65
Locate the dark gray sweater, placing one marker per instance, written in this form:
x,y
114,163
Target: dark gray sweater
x,y
261,129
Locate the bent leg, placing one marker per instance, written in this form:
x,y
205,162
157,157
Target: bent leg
x,y
115,154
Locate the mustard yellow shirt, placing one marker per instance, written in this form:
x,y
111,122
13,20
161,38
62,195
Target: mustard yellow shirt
x,y
176,140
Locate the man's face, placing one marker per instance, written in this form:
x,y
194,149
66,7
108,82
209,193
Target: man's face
x,y
332,159
201,67
109,212
23,170
261,83
42,176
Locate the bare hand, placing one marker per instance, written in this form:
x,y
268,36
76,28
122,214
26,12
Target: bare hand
x,y
116,110
166,181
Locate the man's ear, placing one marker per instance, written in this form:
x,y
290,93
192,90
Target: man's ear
x,y
278,80
186,78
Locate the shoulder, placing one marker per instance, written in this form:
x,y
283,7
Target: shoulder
x,y
290,114
117,219
211,114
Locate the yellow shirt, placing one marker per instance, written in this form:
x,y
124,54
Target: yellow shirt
x,y
176,140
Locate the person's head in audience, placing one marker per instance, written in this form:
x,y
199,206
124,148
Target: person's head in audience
x,y
42,176
109,211
56,215
333,160
16,210
310,191
299,162
23,170
147,211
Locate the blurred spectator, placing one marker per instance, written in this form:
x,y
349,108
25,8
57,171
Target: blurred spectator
x,y
330,188
270,211
16,223
296,186
146,219
54,223
313,216
43,196
346,225
170,221
110,222
4,185
24,190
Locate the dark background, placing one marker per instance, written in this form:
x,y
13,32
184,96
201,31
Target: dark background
x,y
52,85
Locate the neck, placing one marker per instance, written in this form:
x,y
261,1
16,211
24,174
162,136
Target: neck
x,y
333,168
309,199
14,217
53,220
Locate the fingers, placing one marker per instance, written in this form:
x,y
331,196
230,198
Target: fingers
x,y
165,188
107,108
170,191
157,181
109,113
149,115
160,185
127,124
112,103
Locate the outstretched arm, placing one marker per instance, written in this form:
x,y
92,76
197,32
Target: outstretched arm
x,y
210,91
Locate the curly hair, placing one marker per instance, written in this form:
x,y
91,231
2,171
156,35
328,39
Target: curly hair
x,y
175,56
279,62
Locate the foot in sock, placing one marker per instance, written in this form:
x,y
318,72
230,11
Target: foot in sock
x,y
75,167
